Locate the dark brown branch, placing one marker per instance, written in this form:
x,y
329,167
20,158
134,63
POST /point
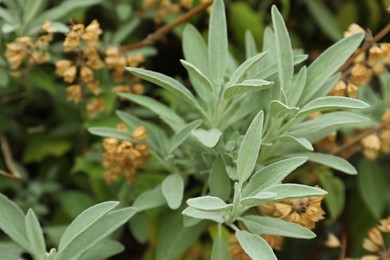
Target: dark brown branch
x,y
152,38
9,162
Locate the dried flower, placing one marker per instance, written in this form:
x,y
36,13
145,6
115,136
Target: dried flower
x,y
371,145
62,66
96,106
86,74
72,41
70,74
140,133
91,34
74,93
332,241
352,29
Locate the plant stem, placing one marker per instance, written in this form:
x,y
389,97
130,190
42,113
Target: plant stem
x,y
8,159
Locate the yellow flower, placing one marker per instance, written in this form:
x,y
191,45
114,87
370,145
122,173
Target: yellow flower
x,y
74,93
371,145
139,133
72,41
86,74
70,74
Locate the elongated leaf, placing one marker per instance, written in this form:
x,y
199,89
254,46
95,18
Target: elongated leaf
x,y
110,132
258,199
280,110
335,200
208,203
303,142
200,214
103,250
246,86
332,161
220,249
204,86
255,246
290,191
249,149
172,189
85,220
283,48
315,129
183,134
150,199
270,68
297,86
96,232
327,86
124,31
35,235
218,42
12,222
219,182
271,175
165,82
31,9
329,103
209,138
10,250
250,45
328,63
244,67
275,226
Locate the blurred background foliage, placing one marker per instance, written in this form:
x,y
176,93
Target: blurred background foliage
x,y
45,138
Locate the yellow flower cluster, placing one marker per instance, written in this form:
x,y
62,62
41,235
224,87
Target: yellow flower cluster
x,y
165,7
374,242
122,156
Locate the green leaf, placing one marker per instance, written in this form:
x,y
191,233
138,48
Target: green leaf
x,y
166,83
103,250
328,103
372,183
10,250
165,113
331,161
208,203
248,85
249,149
195,49
4,78
173,189
96,232
255,246
84,221
124,31
150,199
35,235
12,222
110,132
258,199
297,86
220,250
31,9
208,138
200,214
276,227
303,142
325,19
335,200
219,182
250,45
290,191
284,55
201,83
69,197
271,174
328,63
218,42
40,147
139,227
280,110
183,134
244,67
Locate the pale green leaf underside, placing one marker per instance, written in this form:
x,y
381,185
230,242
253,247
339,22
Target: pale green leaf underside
x,y
35,234
173,189
200,214
246,86
208,203
220,250
208,138
290,191
255,246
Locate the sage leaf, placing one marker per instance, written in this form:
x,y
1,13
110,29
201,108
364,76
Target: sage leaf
x,y
303,142
35,234
249,85
297,87
183,134
195,73
249,149
290,191
172,189
258,199
335,200
244,67
208,203
276,227
150,199
208,138
255,246
110,132
200,214
103,250
220,249
219,181
250,45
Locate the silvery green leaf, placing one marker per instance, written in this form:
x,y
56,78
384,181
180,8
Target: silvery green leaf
x,y
283,49
220,250
110,132
315,129
328,103
332,161
328,63
276,227
248,85
139,227
190,221
237,196
9,28
303,142
218,42
195,49
165,82
271,68
208,138
271,174
297,86
165,113
10,250
244,67
51,255
208,203
31,9
255,246
292,191
7,16
172,188
200,214
249,149
150,199
219,182
183,134
35,235
258,199
327,86
12,222
335,200
103,250
59,27
201,83
250,45
95,233
279,110
84,221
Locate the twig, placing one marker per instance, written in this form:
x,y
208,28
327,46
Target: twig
x,y
152,38
343,247
366,46
9,162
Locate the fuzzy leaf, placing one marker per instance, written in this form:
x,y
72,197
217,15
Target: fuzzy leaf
x,y
183,134
35,235
195,49
290,191
249,149
335,200
150,199
255,246
172,189
208,138
246,86
244,67
220,250
219,182
258,199
297,87
208,203
303,142
110,132
201,83
200,214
